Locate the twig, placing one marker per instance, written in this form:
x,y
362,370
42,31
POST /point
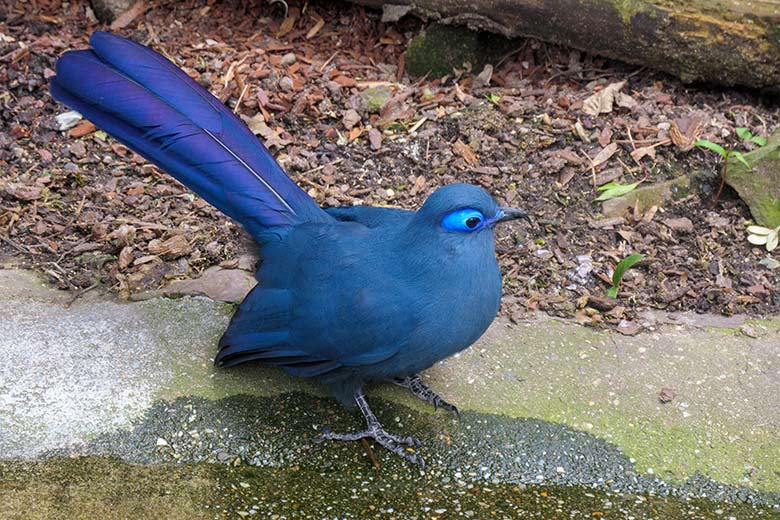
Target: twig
x,y
17,246
78,295
238,103
327,62
370,453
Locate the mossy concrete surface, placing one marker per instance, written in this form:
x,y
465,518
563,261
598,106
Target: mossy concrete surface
x,y
759,185
546,403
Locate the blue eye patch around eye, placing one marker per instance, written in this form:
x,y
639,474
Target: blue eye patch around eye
x,y
466,220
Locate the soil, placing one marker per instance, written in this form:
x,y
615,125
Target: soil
x,y
86,211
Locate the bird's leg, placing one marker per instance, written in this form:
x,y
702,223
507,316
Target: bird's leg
x,y
426,393
374,430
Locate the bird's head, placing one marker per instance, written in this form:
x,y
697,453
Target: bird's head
x,y
461,211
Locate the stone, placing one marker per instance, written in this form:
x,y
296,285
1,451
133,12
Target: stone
x,y
759,186
647,196
109,10
376,97
441,48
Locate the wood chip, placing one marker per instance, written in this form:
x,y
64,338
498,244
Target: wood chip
x,y
604,155
314,30
465,151
83,128
375,139
126,18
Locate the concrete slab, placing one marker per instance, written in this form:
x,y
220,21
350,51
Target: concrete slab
x,y
547,403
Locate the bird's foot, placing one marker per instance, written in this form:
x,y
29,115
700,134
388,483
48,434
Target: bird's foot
x,y
395,443
426,393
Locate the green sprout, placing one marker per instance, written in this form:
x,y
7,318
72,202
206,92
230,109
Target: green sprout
x,y
726,154
620,270
613,189
493,98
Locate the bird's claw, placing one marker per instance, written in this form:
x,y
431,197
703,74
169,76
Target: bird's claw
x,y
393,443
427,394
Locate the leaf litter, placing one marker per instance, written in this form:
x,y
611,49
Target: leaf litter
x,y
537,130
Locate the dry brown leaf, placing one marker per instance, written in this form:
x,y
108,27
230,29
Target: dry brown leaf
x,y
604,155
173,248
601,102
286,26
355,133
465,151
127,17
125,257
580,131
645,151
83,128
685,131
314,30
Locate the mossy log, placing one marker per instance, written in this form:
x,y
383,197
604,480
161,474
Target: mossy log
x,y
728,42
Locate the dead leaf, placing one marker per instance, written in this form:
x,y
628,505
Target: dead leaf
x,y
601,102
314,30
173,248
629,328
355,133
286,26
127,17
625,101
644,151
465,151
419,184
581,133
685,131
604,155
125,257
665,395
83,128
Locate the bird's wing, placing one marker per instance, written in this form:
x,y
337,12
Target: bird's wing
x,y
329,298
150,105
371,216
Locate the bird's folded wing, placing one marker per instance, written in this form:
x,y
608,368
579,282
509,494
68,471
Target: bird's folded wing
x,y
270,326
150,105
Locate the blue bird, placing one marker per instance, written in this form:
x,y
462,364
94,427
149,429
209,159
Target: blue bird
x,y
344,295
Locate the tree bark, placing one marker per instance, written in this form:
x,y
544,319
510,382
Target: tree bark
x,y
722,41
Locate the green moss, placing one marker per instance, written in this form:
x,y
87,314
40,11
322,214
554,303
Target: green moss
x,y
759,186
93,487
441,48
567,380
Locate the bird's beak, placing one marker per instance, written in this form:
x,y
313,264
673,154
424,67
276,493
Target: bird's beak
x,y
512,214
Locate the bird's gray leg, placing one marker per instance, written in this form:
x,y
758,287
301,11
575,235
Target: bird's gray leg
x,y
375,431
426,393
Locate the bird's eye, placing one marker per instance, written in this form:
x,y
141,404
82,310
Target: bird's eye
x,y
463,220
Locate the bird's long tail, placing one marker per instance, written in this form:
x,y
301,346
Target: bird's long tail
x,y
144,101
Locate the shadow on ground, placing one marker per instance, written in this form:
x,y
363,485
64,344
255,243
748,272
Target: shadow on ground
x,y
265,457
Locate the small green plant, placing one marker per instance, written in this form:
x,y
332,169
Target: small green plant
x,y
493,98
620,270
726,154
762,236
613,189
745,135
